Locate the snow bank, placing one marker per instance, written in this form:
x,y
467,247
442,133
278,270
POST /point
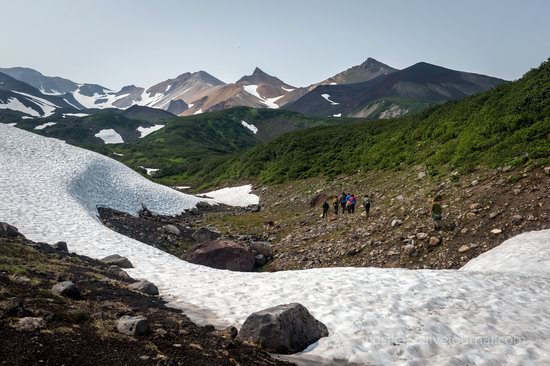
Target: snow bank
x,y
75,115
327,98
235,196
250,126
375,316
44,125
110,136
528,252
144,131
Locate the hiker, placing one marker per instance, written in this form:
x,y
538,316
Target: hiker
x,y
366,204
336,205
353,202
437,214
325,208
343,200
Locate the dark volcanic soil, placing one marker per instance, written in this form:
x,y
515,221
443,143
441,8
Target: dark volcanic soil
x,y
82,332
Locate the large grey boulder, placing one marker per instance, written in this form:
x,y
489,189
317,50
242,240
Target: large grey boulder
x,y
117,260
285,329
31,324
170,229
61,246
132,325
205,234
67,289
145,287
8,231
221,254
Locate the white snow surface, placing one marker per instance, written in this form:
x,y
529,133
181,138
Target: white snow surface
x,y
533,256
337,115
110,136
269,102
75,114
148,130
149,171
327,97
235,196
15,105
44,125
250,126
50,191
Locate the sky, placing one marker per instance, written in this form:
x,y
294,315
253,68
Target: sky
x,y
121,42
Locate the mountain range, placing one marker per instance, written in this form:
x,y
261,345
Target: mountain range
x,y
371,89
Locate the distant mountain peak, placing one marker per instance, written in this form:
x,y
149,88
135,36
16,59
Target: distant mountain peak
x,y
257,71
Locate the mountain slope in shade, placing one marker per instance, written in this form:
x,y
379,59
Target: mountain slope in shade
x,y
393,94
366,71
46,84
18,96
258,90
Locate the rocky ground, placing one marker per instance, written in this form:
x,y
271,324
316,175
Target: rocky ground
x,y
45,321
480,211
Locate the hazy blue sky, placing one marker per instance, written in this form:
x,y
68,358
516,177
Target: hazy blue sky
x,y
119,42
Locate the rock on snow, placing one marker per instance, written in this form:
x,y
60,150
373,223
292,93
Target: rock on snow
x,y
50,191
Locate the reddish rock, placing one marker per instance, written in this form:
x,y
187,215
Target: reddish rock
x,y
221,254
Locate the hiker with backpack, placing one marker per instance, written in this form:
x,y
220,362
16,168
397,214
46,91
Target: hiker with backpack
x,y
336,205
343,201
366,205
325,208
352,202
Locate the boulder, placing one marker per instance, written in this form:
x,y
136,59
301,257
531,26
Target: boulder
x,y
221,254
15,307
517,219
67,289
61,246
285,329
31,324
170,229
145,287
132,325
193,211
117,260
8,231
261,247
116,270
205,234
409,249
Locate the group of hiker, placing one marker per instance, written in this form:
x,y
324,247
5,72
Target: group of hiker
x,y
347,202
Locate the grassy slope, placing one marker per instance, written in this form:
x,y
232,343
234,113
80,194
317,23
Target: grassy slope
x,y
507,125
194,146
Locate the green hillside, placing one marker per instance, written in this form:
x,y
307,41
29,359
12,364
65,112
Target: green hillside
x,y
507,125
191,147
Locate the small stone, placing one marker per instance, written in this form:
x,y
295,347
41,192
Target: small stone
x,y
496,231
132,325
475,183
547,170
463,248
475,206
230,332
435,241
409,249
517,219
66,289
31,324
259,260
145,287
171,229
492,215
396,222
471,216
421,175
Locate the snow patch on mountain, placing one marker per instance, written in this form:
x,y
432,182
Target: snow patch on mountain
x,y
15,105
48,108
145,131
149,171
251,127
110,136
269,102
235,196
75,115
44,125
327,97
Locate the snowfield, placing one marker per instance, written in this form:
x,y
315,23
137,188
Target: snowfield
x,y
485,316
250,126
44,125
110,136
145,131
